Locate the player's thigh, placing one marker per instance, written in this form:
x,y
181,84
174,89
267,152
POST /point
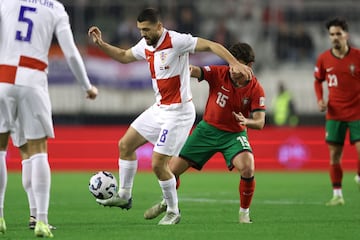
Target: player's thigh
x,y
234,144
357,146
244,163
131,140
354,129
17,134
178,165
200,146
175,126
8,106
335,132
24,153
146,125
4,139
176,129
35,113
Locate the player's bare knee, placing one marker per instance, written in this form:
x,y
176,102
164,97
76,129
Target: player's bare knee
x,y
124,147
247,172
158,170
161,171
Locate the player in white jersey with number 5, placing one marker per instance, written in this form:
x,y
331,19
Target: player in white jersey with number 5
x,y
26,31
167,123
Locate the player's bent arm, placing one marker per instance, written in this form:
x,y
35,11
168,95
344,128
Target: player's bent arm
x,y
204,45
257,121
73,58
207,45
118,54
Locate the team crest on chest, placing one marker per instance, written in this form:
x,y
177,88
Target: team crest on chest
x,y
245,101
163,57
352,69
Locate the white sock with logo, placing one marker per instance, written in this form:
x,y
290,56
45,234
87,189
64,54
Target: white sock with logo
x,y
168,188
127,171
3,181
26,182
41,181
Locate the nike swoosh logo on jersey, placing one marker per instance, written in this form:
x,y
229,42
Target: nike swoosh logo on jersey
x,y
329,69
223,88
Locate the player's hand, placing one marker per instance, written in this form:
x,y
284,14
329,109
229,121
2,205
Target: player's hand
x,y
239,117
195,71
95,34
92,93
322,105
242,69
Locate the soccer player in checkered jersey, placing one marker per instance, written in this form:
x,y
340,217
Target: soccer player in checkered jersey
x,y
167,123
26,32
19,141
340,68
234,104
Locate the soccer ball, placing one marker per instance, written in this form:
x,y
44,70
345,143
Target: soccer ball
x,y
103,185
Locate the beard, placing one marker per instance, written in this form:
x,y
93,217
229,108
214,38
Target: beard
x,y
151,41
336,45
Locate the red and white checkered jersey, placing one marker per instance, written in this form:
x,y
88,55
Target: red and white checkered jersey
x,y
26,32
169,66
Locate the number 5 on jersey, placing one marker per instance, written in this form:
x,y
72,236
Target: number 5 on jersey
x,y
26,20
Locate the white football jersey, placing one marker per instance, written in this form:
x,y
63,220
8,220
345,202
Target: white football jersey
x,y
26,31
169,66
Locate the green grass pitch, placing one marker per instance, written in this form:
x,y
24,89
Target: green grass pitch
x,y
286,205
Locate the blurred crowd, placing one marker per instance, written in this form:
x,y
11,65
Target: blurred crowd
x,y
286,36
287,27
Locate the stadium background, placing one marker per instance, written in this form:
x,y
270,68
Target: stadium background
x,y
286,35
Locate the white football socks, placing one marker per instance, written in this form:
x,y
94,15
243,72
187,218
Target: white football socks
x,y
3,181
168,188
26,182
127,171
337,192
41,181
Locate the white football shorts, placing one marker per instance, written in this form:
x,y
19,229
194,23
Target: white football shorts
x,y
167,129
30,106
17,135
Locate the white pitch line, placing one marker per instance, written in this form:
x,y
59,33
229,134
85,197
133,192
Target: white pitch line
x,y
266,202
208,200
290,202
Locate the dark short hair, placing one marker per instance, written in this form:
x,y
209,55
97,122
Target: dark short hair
x,y
149,14
337,22
243,52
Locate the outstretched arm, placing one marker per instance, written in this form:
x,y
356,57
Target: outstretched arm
x,y
118,54
75,62
207,45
